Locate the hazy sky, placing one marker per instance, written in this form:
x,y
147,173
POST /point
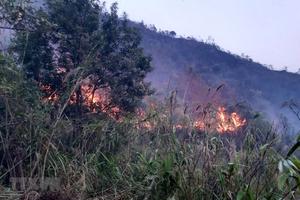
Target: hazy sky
x,y
266,30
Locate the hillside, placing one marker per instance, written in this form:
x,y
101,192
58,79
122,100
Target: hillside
x,y
195,68
79,120
192,67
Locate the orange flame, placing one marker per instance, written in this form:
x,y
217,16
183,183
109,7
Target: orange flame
x,y
199,124
222,122
94,99
99,100
228,123
51,95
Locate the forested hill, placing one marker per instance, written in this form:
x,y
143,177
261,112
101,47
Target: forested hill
x,y
192,67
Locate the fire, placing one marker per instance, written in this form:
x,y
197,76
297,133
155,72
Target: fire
x,y
94,99
199,124
51,95
228,123
221,122
99,100
142,120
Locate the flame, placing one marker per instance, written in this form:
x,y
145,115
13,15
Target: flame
x,y
94,99
51,95
222,122
142,120
228,123
199,124
99,100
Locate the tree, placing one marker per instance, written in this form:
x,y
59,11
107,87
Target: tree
x,y
77,46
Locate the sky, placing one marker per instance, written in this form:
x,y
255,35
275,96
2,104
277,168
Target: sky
x,y
266,30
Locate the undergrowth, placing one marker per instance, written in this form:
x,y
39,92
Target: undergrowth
x,y
97,157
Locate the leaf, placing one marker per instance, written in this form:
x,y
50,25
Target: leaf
x,y
296,162
250,195
241,194
282,180
280,166
263,147
294,148
245,195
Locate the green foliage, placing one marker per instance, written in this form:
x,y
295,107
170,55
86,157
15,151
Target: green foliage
x,y
20,108
86,42
289,168
245,195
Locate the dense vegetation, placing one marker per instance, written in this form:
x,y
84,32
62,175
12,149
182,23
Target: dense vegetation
x,y
183,63
52,126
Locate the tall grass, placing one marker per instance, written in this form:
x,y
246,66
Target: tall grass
x,y
97,157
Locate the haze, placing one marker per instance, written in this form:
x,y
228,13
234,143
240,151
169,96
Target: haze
x,y
268,31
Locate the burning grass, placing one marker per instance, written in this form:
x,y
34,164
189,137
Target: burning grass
x,y
98,100
159,153
217,120
229,122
